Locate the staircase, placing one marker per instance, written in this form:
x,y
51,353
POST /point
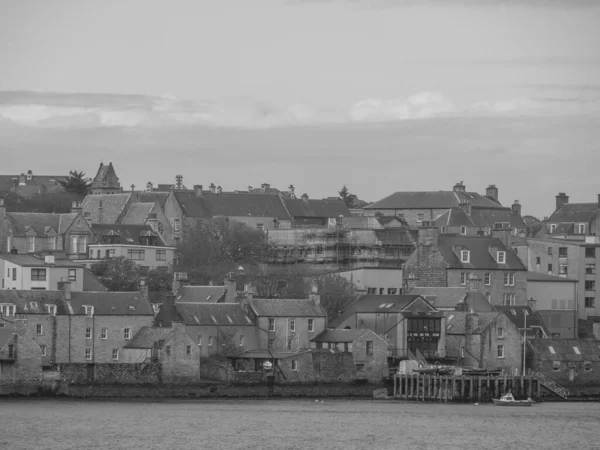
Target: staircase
x,y
552,386
421,358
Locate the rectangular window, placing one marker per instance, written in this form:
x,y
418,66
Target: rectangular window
x,y
463,230
39,329
88,333
188,350
590,285
136,255
271,324
590,269
372,291
294,365
38,274
590,302
7,310
319,249
89,310
500,333
538,260
168,349
590,252
487,278
44,349
550,269
369,347
210,339
176,225
292,324
199,340
346,346
260,226
88,353
562,252
51,243
127,334
82,244
115,354
581,228
463,278
30,244
549,251
72,274
501,351
508,299
103,333
311,324
509,279
51,309
14,274
501,257
562,269
161,255
465,256
392,291
420,217
552,227
241,340
11,351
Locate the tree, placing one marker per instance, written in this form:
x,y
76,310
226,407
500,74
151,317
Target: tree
x,y
335,291
76,182
121,274
533,224
348,198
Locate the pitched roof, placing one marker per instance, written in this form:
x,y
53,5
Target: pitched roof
x,y
113,206
91,283
111,303
564,349
152,197
106,177
149,337
230,205
456,321
41,223
6,336
200,294
287,307
432,200
536,276
191,205
516,314
486,217
228,314
33,261
454,217
137,213
34,302
325,208
128,234
339,335
575,212
441,297
33,186
480,253
395,236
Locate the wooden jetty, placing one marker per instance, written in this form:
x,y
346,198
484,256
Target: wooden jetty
x,y
448,388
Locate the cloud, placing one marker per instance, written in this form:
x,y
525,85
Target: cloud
x,y
421,106
378,4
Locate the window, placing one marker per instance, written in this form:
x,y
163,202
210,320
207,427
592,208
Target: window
x,y
11,351
372,291
562,269
555,366
549,251
360,367
39,329
72,274
538,260
292,324
127,334
161,255
176,225
271,324
509,279
551,349
550,269
88,354
38,274
311,325
581,228
500,333
463,230
464,277
381,291
136,255
79,244
294,365
369,347
30,244
587,366
590,302
562,252
319,249
44,349
590,285
88,333
52,243
199,340
168,349
103,333
508,299
89,310
115,354
501,351
188,350
420,217
552,227
210,341
501,257
465,256
7,310
260,226
241,340
443,229
51,309
590,269
590,252
487,278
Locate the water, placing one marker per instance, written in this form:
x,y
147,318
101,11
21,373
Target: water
x,y
293,424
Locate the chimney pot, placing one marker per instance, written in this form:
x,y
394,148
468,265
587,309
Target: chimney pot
x,y
65,287
561,199
198,190
212,188
305,198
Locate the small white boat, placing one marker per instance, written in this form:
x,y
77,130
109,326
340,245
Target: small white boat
x,y
509,400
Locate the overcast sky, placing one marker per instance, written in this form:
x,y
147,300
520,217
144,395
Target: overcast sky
x,y
381,95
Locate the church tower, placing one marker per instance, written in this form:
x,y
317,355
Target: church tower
x,y
106,181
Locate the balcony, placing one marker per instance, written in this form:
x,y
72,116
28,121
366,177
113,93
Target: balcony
x,y
429,355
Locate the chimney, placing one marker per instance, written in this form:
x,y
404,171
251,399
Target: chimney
x,y
168,302
65,287
212,187
471,322
219,189
198,190
459,187
598,200
516,208
100,212
230,290
561,199
76,207
305,198
427,235
292,188
149,186
179,279
22,180
503,234
314,297
15,183
2,209
143,288
492,192
49,259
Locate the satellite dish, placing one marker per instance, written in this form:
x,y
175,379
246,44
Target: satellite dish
x,y
267,365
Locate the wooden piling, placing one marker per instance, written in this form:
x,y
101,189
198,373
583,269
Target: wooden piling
x,y
497,387
453,388
471,389
487,389
478,389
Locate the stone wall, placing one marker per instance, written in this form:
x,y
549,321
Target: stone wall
x,y
570,373
428,266
22,375
496,288
181,364
511,340
78,373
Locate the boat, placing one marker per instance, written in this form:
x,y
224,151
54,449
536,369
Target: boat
x,y
509,400
438,370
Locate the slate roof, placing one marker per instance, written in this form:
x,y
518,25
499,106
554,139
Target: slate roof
x,y
111,303
105,177
297,207
563,228
269,354
230,205
42,223
33,261
432,200
454,217
128,234
137,213
152,197
191,205
34,302
536,276
113,207
386,220
284,307
441,297
339,335
516,314
200,294
6,336
395,236
485,217
456,321
564,350
203,314
575,212
480,256
148,337
33,186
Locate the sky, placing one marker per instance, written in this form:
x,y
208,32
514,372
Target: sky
x,y
380,95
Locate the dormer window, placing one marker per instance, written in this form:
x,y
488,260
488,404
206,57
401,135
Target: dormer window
x,y
463,230
465,256
581,228
51,309
89,310
501,257
552,227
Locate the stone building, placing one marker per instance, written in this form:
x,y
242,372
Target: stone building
x,y
27,272
106,181
20,361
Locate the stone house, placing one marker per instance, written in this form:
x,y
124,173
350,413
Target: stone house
x,y
177,353
572,219
487,340
286,324
31,273
44,232
525,318
449,298
565,361
484,262
406,322
369,350
20,361
28,184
